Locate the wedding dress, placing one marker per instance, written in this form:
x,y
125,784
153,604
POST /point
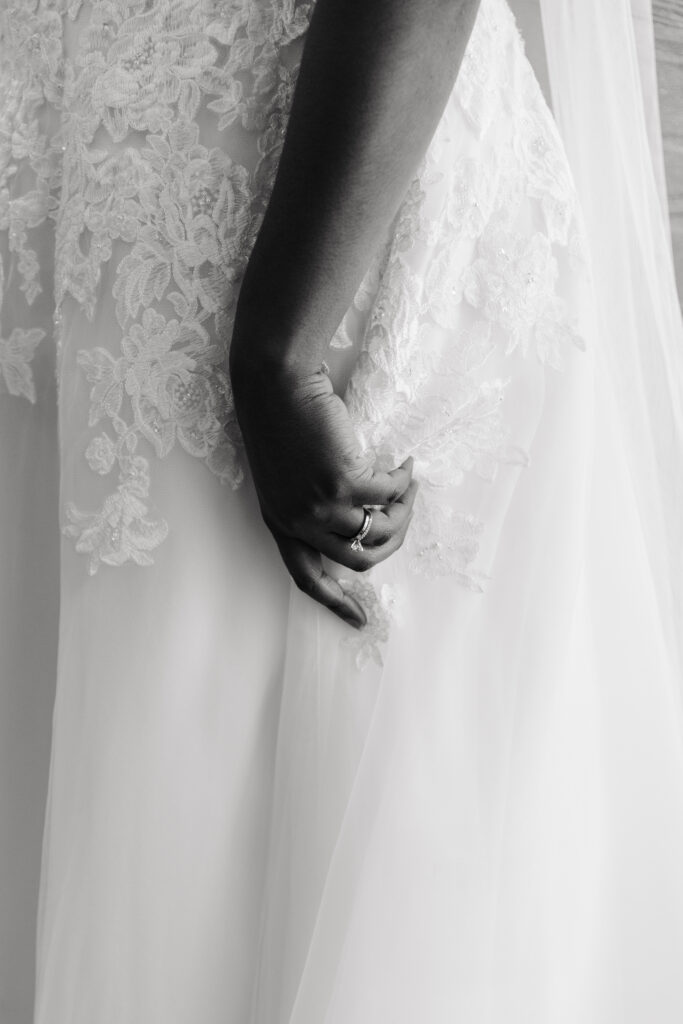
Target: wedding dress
x,y
471,810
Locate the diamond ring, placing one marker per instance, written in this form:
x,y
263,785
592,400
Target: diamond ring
x,y
357,539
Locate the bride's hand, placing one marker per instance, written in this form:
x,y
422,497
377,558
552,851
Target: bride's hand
x,y
312,482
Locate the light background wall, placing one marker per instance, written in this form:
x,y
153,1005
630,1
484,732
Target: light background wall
x,y
668,16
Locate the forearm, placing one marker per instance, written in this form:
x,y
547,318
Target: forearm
x,y
374,79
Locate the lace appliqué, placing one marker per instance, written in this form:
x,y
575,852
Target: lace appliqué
x,y
382,608
16,353
513,284
121,531
446,543
188,214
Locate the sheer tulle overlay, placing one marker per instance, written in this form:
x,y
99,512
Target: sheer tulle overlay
x,y
471,810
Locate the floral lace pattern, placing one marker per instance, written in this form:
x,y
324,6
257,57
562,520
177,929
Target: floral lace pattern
x,y
30,41
188,214
512,283
468,289
382,606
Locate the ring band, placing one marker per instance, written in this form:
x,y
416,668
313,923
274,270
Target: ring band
x,y
357,539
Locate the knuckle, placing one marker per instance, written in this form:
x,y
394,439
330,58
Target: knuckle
x,y
340,490
296,519
320,513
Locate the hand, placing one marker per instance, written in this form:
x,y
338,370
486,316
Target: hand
x,y
312,482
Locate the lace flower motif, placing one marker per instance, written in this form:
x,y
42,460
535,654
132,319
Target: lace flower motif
x,y
175,395
513,284
539,151
445,542
471,196
101,454
483,83
187,214
140,68
122,531
382,608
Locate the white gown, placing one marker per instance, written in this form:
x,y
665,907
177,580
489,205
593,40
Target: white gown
x,y
473,809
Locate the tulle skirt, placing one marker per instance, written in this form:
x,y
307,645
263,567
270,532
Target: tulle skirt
x,y
487,826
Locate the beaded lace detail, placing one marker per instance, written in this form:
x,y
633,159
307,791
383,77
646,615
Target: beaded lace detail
x,y
468,288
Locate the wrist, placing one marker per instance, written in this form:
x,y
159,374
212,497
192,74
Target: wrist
x,y
267,374
259,350
271,364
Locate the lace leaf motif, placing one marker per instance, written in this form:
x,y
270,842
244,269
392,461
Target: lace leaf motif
x,y
16,353
188,213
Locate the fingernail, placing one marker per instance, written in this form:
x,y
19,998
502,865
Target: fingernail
x,y
404,465
354,620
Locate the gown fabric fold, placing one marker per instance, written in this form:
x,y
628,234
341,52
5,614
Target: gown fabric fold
x,y
471,810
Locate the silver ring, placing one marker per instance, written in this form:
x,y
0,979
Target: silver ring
x,y
357,540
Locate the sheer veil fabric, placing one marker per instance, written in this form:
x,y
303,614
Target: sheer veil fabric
x,y
604,86
473,810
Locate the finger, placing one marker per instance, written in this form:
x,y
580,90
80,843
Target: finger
x,y
383,488
391,520
385,521
347,519
339,548
304,564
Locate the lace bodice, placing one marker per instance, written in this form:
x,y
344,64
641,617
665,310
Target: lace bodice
x,y
148,135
